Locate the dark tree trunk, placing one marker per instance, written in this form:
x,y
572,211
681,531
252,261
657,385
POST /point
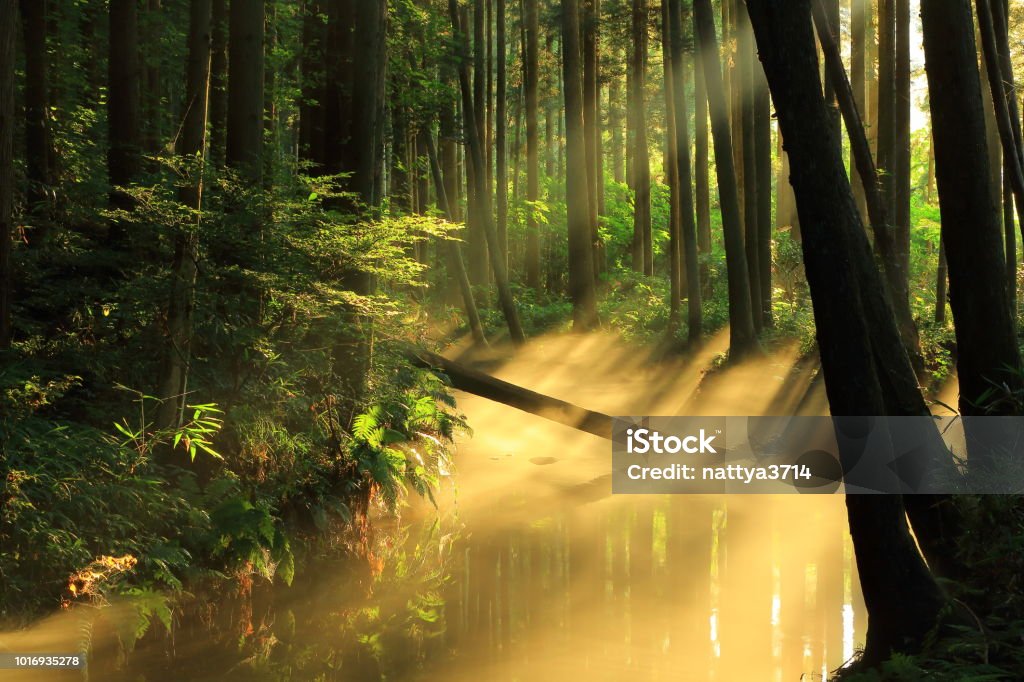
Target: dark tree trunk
x,y
985,331
902,598
671,176
763,170
218,113
500,132
245,89
591,120
744,82
530,80
192,148
877,209
643,260
859,11
687,224
8,25
124,153
152,86
581,252
37,127
476,241
742,339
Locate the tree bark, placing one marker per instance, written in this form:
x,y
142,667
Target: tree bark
x,y
245,89
744,81
218,113
37,126
530,80
985,331
687,224
591,122
500,132
8,24
581,251
742,338
702,185
643,256
124,154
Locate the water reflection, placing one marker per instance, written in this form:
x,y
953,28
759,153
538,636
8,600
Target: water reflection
x,y
530,570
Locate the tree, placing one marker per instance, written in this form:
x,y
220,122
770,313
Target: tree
x,y
37,115
688,226
971,233
218,110
500,133
592,122
123,154
531,70
702,186
643,254
8,22
744,113
191,149
902,598
742,339
581,252
245,89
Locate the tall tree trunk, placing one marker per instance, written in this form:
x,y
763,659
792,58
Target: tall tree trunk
x,y
37,115
702,186
8,24
476,241
688,226
124,154
859,11
744,81
581,252
191,147
762,143
591,127
985,331
500,133
901,150
218,113
742,339
643,254
481,198
530,80
902,598
615,123
152,86
671,170
245,89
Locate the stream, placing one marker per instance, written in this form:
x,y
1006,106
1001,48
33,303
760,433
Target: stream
x,y
528,569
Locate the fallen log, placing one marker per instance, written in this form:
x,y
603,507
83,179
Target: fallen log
x,y
484,385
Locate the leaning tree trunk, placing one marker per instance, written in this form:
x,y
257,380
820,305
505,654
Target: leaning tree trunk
x,y
742,339
192,150
902,598
578,206
985,330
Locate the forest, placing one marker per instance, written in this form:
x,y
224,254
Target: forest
x,y
312,313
